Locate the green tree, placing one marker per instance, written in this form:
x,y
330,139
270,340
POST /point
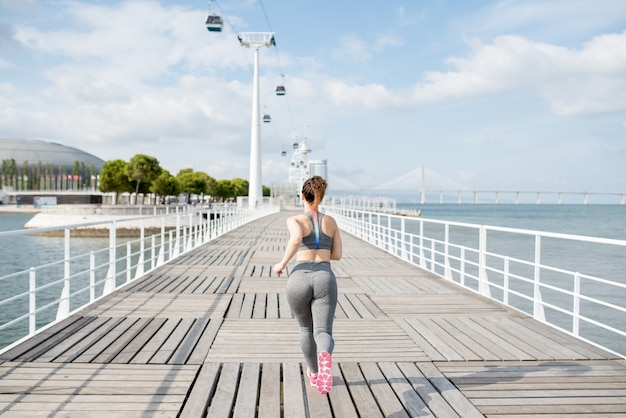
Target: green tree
x,y
192,182
266,191
240,186
165,185
143,169
113,177
224,189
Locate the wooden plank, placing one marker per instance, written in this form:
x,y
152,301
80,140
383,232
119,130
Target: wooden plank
x,y
259,306
293,391
247,306
425,328
247,393
73,341
317,404
186,347
360,392
171,343
450,393
122,341
272,306
41,343
497,344
478,348
153,345
385,396
119,328
370,306
283,307
202,390
340,399
347,306
130,350
435,402
222,401
235,306
411,401
269,394
203,345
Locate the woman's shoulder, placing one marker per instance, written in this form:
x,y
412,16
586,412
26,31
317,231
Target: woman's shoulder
x,y
297,218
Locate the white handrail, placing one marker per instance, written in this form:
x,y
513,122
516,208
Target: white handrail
x,y
49,292
559,279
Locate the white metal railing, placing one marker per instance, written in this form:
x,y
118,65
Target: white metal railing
x,y
88,269
571,282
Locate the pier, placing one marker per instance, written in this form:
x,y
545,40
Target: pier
x,y
210,333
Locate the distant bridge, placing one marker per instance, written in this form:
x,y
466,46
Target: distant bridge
x,y
518,196
445,190
497,196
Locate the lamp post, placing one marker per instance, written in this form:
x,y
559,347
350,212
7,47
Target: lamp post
x,y
255,40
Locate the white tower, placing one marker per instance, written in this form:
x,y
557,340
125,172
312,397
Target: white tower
x,y
256,40
299,168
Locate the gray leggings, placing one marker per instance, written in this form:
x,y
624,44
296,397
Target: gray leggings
x,y
312,297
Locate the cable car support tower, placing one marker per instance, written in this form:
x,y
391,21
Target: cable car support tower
x,y
255,40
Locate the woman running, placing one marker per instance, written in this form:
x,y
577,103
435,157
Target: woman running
x,y
312,288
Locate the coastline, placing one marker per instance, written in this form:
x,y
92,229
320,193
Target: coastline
x,y
47,220
11,208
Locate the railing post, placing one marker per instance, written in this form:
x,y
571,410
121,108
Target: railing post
x,y
505,284
64,301
92,276
403,238
447,272
433,257
142,247
190,243
32,302
171,246
576,307
152,251
422,259
177,242
161,258
483,284
462,268
109,283
129,262
538,311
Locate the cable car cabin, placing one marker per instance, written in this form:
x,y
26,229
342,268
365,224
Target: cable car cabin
x,y
283,153
214,23
295,145
267,118
280,90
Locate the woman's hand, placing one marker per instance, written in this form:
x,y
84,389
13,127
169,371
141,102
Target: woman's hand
x,y
278,268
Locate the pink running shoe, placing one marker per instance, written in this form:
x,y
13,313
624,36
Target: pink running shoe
x,y
324,374
312,378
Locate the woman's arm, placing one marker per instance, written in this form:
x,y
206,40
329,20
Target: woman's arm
x,y
336,250
295,238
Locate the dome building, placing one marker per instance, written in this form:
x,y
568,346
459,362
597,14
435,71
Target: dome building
x,y
38,167
33,152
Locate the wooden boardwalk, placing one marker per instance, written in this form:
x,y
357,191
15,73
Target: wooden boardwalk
x,y
211,334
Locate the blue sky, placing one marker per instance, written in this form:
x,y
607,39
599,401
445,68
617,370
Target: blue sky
x,y
488,95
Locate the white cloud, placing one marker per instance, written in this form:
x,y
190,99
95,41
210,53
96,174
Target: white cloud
x,y
588,80
556,16
352,48
574,82
384,42
19,5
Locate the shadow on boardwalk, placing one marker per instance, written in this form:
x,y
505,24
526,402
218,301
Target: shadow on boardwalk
x,y
211,334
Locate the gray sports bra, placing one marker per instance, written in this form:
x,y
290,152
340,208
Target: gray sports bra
x,y
317,239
